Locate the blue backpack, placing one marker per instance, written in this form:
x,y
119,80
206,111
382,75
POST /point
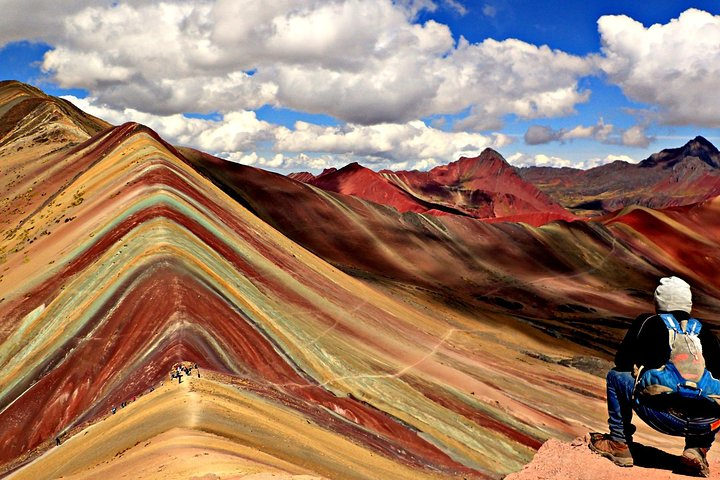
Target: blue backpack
x,y
684,375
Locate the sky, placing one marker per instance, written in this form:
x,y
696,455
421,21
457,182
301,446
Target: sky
x,y
304,85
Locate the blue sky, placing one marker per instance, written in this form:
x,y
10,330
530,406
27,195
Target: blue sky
x,y
570,26
309,84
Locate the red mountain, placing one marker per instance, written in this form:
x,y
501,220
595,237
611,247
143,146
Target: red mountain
x,y
484,187
672,177
301,176
361,182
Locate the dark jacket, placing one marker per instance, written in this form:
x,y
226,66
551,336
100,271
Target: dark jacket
x,y
646,344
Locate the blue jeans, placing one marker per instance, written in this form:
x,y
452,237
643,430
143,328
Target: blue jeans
x,y
620,387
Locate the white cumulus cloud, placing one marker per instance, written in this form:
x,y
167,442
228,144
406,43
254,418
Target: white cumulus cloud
x,y
598,161
361,61
33,20
242,137
235,132
496,78
370,64
672,67
602,132
397,142
635,136
520,159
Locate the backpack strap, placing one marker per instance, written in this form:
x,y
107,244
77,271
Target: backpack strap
x,y
671,323
693,326
673,326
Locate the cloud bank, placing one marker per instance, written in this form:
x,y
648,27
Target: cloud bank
x,y
239,135
367,63
520,159
674,68
604,133
360,61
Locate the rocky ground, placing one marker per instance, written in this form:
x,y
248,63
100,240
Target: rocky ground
x,y
575,461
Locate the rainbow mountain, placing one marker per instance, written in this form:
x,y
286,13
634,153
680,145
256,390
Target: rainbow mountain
x,y
334,337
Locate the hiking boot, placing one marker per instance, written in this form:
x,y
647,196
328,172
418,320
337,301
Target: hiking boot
x,y
696,460
617,452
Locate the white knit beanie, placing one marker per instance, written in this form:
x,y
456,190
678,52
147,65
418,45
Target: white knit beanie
x,y
673,293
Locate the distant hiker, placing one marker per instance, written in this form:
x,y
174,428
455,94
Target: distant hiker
x,y
664,372
57,441
113,410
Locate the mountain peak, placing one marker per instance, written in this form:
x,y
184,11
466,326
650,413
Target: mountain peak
x,y
702,148
698,147
491,151
29,116
488,163
328,171
351,170
702,141
301,176
351,167
486,154
341,179
17,86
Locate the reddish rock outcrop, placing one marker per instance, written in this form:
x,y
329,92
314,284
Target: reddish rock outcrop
x,y
305,177
484,187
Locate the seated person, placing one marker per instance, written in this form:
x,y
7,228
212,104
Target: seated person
x,y
656,347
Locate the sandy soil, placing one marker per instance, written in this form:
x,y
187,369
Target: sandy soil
x,y
575,461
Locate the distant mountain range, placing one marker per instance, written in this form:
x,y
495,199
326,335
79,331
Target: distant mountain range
x,y
671,177
488,188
